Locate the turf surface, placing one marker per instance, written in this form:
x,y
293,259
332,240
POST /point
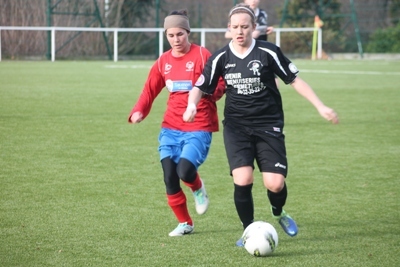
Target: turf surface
x,y
82,187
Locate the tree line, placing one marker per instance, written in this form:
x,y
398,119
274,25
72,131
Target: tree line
x,y
376,20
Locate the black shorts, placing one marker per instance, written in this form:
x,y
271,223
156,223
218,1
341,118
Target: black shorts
x,y
243,145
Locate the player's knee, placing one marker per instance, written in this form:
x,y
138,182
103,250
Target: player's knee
x,y
274,181
171,179
275,186
186,170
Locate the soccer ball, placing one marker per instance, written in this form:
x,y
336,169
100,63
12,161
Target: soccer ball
x,y
260,239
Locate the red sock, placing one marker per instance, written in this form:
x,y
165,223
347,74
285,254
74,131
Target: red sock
x,y
196,185
177,202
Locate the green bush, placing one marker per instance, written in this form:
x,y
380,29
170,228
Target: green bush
x,y
385,41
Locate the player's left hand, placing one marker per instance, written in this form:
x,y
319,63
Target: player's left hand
x,y
329,114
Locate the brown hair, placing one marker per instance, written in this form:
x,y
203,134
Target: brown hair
x,y
182,12
243,8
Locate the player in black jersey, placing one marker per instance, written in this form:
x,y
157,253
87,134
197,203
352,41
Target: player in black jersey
x,y
254,119
262,29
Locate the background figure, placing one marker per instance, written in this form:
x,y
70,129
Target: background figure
x,y
262,29
183,147
254,119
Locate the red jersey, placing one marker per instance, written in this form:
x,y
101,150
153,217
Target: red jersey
x,y
178,75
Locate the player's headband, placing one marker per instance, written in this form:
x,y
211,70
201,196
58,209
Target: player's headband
x,y
176,21
242,8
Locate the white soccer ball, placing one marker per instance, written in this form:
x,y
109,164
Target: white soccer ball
x,y
260,239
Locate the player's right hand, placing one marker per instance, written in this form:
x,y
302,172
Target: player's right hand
x,y
137,117
190,113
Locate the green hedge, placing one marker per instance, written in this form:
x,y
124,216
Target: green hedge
x,y
385,41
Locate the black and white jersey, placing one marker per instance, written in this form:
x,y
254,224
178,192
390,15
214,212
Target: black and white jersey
x,y
252,97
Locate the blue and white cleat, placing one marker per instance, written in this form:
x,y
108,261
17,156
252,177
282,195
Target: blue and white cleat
x,y
239,243
201,199
287,223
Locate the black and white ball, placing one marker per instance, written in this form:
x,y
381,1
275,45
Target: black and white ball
x,y
260,239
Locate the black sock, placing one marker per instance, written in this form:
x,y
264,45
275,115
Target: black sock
x,y
278,200
244,204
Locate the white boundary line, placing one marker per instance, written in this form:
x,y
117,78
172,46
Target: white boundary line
x,y
128,66
350,72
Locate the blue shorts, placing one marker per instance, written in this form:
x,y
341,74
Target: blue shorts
x,y
193,146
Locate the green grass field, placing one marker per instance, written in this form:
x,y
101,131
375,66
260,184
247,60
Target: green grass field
x,y
82,187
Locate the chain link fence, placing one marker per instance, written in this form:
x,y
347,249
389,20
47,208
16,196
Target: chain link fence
x,y
371,15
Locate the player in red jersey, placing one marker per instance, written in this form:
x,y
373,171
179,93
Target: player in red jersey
x,y
183,146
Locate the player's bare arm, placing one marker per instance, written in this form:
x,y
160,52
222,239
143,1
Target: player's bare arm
x,y
308,93
194,97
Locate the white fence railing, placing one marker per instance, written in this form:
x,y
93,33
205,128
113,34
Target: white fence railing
x,y
160,31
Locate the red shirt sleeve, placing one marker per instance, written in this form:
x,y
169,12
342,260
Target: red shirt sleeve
x,y
153,86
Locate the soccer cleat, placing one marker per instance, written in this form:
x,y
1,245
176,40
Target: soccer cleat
x,y
239,243
201,199
287,223
182,229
